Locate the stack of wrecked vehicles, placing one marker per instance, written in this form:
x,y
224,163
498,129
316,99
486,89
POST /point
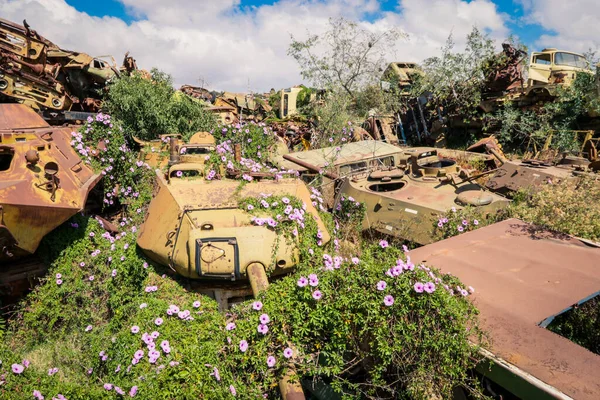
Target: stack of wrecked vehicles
x,y
404,189
43,183
196,226
59,84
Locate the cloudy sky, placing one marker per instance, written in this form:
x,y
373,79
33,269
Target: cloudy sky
x,y
241,45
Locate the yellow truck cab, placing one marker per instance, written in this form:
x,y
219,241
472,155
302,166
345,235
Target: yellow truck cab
x,y
552,66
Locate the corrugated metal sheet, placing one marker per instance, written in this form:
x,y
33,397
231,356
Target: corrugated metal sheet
x,y
522,276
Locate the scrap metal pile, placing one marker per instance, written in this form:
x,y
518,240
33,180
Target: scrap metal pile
x,y
61,84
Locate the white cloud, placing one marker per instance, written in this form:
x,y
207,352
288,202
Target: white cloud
x,y
240,48
575,24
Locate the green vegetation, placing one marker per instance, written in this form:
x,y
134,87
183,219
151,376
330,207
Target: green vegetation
x,y
580,325
359,317
521,128
571,207
149,108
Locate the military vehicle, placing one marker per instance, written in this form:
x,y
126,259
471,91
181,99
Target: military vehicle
x,y
61,84
196,227
406,201
43,182
157,153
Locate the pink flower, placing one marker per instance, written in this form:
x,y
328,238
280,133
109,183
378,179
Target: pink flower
x,y
271,361
243,346
264,319
88,328
313,280
133,391
119,390
17,368
471,289
232,390
381,285
429,287
383,243
158,321
475,222
288,353
135,329
114,273
257,305
302,282
59,281
38,395
355,260
419,287
196,304
154,334
388,300
317,295
230,326
108,386
262,329
58,276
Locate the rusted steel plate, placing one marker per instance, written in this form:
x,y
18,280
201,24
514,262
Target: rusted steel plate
x,y
15,116
43,181
522,277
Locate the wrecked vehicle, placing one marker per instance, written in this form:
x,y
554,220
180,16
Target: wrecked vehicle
x,y
522,284
243,106
322,168
405,202
197,228
545,166
43,181
61,84
157,153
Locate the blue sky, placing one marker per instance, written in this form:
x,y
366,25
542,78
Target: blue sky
x,y
527,32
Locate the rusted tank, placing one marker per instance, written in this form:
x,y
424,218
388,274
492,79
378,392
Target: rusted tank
x,y
196,227
43,182
157,153
406,201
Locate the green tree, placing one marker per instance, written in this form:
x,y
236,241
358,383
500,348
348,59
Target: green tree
x,y
456,79
347,56
151,107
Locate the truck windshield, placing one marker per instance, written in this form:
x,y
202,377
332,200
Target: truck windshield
x,y
571,60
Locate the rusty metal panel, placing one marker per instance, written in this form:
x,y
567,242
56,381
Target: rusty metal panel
x,y
348,153
15,116
523,275
43,182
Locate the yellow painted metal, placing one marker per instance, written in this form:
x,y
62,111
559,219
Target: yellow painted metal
x,y
196,227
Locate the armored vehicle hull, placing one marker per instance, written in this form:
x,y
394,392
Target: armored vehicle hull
x,y
197,228
43,182
406,203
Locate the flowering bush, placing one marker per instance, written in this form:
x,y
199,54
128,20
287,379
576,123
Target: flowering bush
x,y
257,143
101,143
361,318
459,221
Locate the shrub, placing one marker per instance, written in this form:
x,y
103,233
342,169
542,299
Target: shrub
x,y
101,143
571,207
362,321
149,108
